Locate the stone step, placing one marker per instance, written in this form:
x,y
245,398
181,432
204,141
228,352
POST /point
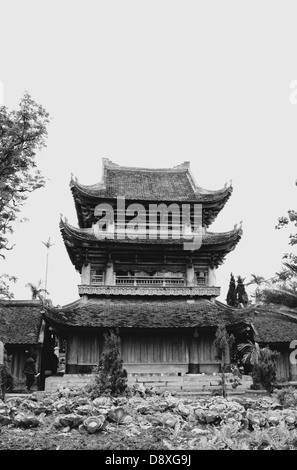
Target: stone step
x,y
190,382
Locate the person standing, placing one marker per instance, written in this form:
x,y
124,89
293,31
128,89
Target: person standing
x,y
30,371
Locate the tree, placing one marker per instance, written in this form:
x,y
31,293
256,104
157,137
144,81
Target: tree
x,y
231,295
282,289
5,290
258,280
250,352
288,221
6,378
263,362
288,277
37,290
22,133
48,245
111,378
222,343
241,295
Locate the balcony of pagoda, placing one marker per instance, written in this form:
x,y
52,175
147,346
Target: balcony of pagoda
x,y
134,285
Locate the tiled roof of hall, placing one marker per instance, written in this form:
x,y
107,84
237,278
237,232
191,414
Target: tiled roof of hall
x,y
74,234
271,323
20,321
145,184
139,313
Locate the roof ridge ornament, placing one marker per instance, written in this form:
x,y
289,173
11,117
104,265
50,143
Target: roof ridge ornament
x,y
106,162
236,226
73,180
183,165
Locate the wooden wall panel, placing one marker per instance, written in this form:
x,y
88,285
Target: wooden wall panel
x,y
154,348
202,349
88,348
283,371
17,364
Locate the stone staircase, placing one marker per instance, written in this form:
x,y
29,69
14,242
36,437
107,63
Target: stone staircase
x,y
53,382
179,383
187,383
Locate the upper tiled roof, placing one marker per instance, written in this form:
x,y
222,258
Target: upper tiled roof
x,y
88,234
173,184
20,321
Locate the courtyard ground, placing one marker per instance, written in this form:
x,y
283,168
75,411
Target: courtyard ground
x,y
147,421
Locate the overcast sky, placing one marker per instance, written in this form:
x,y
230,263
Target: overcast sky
x,y
153,84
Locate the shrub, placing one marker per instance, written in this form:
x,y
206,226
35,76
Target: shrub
x,y
264,370
6,378
263,363
110,377
287,397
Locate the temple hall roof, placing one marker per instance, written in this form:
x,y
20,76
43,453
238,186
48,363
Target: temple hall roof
x,y
20,321
137,313
271,323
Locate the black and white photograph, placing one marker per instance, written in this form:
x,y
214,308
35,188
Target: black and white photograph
x,y
148,228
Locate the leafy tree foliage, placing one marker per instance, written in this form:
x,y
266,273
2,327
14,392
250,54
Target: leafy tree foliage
x,y
222,343
263,362
258,281
111,378
22,133
6,378
231,295
290,220
5,286
37,290
237,295
241,295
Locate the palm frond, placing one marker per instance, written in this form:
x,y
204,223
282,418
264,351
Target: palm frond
x,y
291,266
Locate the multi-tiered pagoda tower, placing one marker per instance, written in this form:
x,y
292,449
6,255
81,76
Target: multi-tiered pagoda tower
x,y
148,281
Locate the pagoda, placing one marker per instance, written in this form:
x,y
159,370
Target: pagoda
x,y
143,271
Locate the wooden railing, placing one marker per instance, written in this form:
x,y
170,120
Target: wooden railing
x,y
97,279
201,281
150,281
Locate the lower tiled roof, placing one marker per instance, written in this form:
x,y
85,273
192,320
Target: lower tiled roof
x,y
20,321
134,313
272,323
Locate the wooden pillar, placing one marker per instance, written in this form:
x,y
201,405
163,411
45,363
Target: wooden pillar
x,y
292,359
212,281
292,367
194,353
86,274
72,354
109,275
190,275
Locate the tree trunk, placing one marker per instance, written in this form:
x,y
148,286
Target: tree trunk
x,y
223,379
2,382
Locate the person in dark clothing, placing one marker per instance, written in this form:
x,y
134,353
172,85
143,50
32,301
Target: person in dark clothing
x,y
54,363
30,371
